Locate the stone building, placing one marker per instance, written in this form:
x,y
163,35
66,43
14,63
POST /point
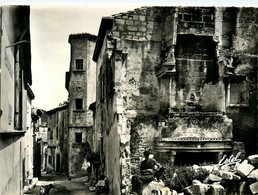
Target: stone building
x,y
39,124
180,81
81,86
28,141
15,98
57,140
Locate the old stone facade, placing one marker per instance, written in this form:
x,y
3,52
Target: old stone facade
x,y
80,83
57,140
180,81
15,99
40,141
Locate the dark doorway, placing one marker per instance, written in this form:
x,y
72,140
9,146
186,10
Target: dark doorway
x,y
58,163
190,158
37,159
23,171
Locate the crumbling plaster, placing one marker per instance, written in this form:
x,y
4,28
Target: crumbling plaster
x,y
142,54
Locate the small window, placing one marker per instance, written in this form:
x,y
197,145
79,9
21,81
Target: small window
x,y
56,132
79,64
57,118
50,134
78,104
78,137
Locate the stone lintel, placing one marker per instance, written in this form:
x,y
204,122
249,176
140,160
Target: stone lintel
x,y
167,69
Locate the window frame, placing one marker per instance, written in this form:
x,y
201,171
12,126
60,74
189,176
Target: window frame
x,y
79,65
76,137
242,79
77,107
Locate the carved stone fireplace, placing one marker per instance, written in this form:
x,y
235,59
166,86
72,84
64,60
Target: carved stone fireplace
x,y
194,132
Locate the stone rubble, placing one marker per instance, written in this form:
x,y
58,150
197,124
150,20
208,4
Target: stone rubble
x,y
244,169
233,178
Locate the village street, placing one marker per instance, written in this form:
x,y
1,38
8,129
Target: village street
x,y
147,100
62,186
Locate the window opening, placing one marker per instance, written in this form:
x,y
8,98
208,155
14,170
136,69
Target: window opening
x,y
79,64
78,137
78,104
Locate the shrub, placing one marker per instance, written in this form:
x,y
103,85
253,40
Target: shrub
x,y
179,177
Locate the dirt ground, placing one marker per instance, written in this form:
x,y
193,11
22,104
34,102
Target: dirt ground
x,y
62,186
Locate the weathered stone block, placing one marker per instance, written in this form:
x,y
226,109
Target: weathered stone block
x,y
253,159
253,174
131,33
120,28
244,169
230,176
129,22
120,21
135,17
142,29
116,34
254,188
196,168
137,23
214,178
217,190
142,18
138,34
131,28
208,168
202,188
152,186
236,165
191,190
225,168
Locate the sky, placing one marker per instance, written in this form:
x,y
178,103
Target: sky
x,y
53,21
50,30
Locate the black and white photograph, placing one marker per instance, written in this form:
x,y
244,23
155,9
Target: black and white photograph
x,y
128,98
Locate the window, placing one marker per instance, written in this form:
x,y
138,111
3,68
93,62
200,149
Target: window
x,y
57,118
238,91
50,133
79,64
57,132
78,137
78,104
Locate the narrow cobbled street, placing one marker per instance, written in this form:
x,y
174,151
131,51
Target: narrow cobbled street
x,y
62,185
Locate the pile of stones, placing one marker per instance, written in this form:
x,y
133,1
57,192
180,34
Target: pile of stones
x,y
230,176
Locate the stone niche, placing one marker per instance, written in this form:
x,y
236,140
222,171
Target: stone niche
x,y
203,136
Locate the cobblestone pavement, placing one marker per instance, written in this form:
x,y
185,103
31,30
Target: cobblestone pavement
x,y
62,186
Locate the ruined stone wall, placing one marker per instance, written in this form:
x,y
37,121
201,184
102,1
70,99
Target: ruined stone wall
x,y
196,20
138,48
195,75
106,136
171,58
244,60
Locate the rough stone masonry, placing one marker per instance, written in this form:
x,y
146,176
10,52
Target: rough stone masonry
x,y
180,81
